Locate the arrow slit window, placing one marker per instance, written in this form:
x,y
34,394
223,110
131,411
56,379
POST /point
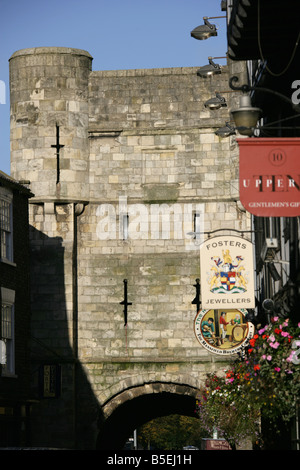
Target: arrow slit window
x,y
125,226
196,227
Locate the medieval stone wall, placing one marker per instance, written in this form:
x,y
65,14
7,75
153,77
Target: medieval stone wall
x,y
152,142
135,142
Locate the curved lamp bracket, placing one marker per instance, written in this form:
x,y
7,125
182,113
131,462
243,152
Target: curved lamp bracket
x,y
246,88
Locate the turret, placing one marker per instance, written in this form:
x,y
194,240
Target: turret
x,y
49,121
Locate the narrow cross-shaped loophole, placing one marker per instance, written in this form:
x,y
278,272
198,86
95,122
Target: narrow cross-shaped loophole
x,y
57,146
125,302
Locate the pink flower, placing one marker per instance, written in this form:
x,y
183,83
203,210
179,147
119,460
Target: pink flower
x,y
262,330
277,369
290,358
266,357
284,333
274,345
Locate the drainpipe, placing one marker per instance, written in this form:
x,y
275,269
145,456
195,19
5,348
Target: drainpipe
x,y
78,209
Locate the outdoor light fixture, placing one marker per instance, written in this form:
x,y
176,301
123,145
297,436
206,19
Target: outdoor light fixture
x,y
275,307
206,30
268,305
210,69
225,131
216,102
245,117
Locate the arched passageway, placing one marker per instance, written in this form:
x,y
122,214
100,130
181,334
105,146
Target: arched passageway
x,y
134,410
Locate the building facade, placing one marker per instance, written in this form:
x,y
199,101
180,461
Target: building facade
x,y
267,38
128,177
15,395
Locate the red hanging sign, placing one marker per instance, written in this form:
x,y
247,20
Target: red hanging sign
x,y
270,176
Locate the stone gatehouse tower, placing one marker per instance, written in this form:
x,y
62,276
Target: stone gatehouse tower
x,y
103,152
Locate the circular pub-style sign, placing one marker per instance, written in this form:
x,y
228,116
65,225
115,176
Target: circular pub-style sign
x,y
222,331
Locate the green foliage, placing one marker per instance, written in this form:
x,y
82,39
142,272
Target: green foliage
x,y
265,382
273,366
223,407
171,433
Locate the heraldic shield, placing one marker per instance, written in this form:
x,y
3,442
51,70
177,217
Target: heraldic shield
x,y
227,273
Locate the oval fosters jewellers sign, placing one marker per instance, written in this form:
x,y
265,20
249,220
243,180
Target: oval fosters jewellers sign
x,y
270,176
227,273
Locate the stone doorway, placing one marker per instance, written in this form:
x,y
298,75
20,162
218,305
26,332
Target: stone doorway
x,y
138,405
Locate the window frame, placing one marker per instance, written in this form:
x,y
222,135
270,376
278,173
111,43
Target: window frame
x,y
6,233
8,341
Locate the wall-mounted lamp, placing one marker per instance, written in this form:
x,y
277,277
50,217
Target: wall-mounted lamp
x,y
206,30
216,102
272,307
246,116
225,131
210,69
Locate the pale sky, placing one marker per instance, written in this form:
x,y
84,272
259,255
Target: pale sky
x,y
119,34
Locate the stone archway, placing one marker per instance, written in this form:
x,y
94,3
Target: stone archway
x,y
137,405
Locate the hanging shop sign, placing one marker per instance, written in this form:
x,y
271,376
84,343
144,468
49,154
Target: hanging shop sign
x,y
270,176
223,332
227,273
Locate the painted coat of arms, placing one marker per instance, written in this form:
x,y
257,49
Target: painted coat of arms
x,y
228,274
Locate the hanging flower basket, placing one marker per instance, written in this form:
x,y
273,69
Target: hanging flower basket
x,y
264,382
